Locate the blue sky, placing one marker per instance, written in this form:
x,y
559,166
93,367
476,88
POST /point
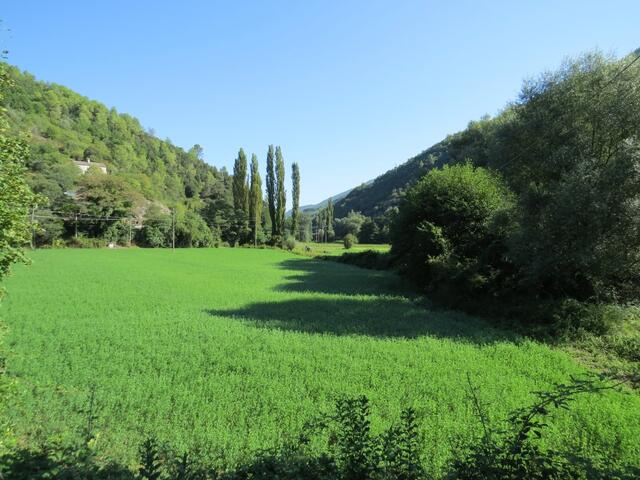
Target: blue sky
x,y
349,89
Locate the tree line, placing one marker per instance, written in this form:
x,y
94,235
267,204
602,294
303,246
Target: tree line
x,y
170,196
251,226
536,217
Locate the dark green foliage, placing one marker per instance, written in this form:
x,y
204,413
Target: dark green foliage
x,y
289,243
271,191
445,232
295,194
570,150
65,126
368,259
349,240
350,224
376,197
16,198
241,196
357,452
281,194
192,231
49,229
156,229
150,464
329,221
305,230
255,200
401,449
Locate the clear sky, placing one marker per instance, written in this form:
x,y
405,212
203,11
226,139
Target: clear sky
x,y
349,89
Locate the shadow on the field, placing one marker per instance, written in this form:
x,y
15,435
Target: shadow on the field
x,y
324,276
386,307
56,462
373,316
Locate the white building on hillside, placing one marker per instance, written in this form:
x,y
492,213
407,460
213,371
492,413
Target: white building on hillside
x,y
85,165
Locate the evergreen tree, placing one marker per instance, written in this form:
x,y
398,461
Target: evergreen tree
x,y
255,199
295,213
281,197
271,191
240,194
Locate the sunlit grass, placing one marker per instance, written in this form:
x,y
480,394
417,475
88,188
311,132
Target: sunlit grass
x,y
336,248
233,350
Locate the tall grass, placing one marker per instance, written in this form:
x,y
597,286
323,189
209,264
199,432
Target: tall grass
x,y
231,351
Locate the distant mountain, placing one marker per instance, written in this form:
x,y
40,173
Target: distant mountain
x,y
311,209
314,208
376,196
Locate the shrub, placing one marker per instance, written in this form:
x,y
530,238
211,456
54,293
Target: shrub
x,y
451,226
289,243
572,316
349,240
370,259
515,453
84,242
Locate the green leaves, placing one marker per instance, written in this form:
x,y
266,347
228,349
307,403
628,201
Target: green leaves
x,y
16,198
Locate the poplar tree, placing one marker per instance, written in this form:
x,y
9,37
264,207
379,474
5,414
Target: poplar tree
x,y
240,193
255,198
295,193
281,193
329,219
239,186
271,191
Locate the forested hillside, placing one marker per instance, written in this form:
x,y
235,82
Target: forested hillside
x,y
375,197
62,126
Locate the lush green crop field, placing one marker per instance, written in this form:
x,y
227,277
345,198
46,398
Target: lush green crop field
x,y
313,249
232,350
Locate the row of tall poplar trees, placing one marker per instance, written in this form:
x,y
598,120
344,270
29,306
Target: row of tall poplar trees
x,y
248,202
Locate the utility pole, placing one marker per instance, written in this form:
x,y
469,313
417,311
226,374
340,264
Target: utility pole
x,y
76,224
130,220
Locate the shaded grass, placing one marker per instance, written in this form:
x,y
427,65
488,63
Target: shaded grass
x,y
233,350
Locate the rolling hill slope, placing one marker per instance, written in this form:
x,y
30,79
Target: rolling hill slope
x,y
375,197
62,126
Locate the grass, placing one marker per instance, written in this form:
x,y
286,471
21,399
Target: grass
x,y
233,350
312,249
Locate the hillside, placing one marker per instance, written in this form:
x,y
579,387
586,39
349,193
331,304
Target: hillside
x,y
375,197
311,209
63,126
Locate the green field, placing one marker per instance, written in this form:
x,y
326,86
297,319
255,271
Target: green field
x,y
232,350
336,248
